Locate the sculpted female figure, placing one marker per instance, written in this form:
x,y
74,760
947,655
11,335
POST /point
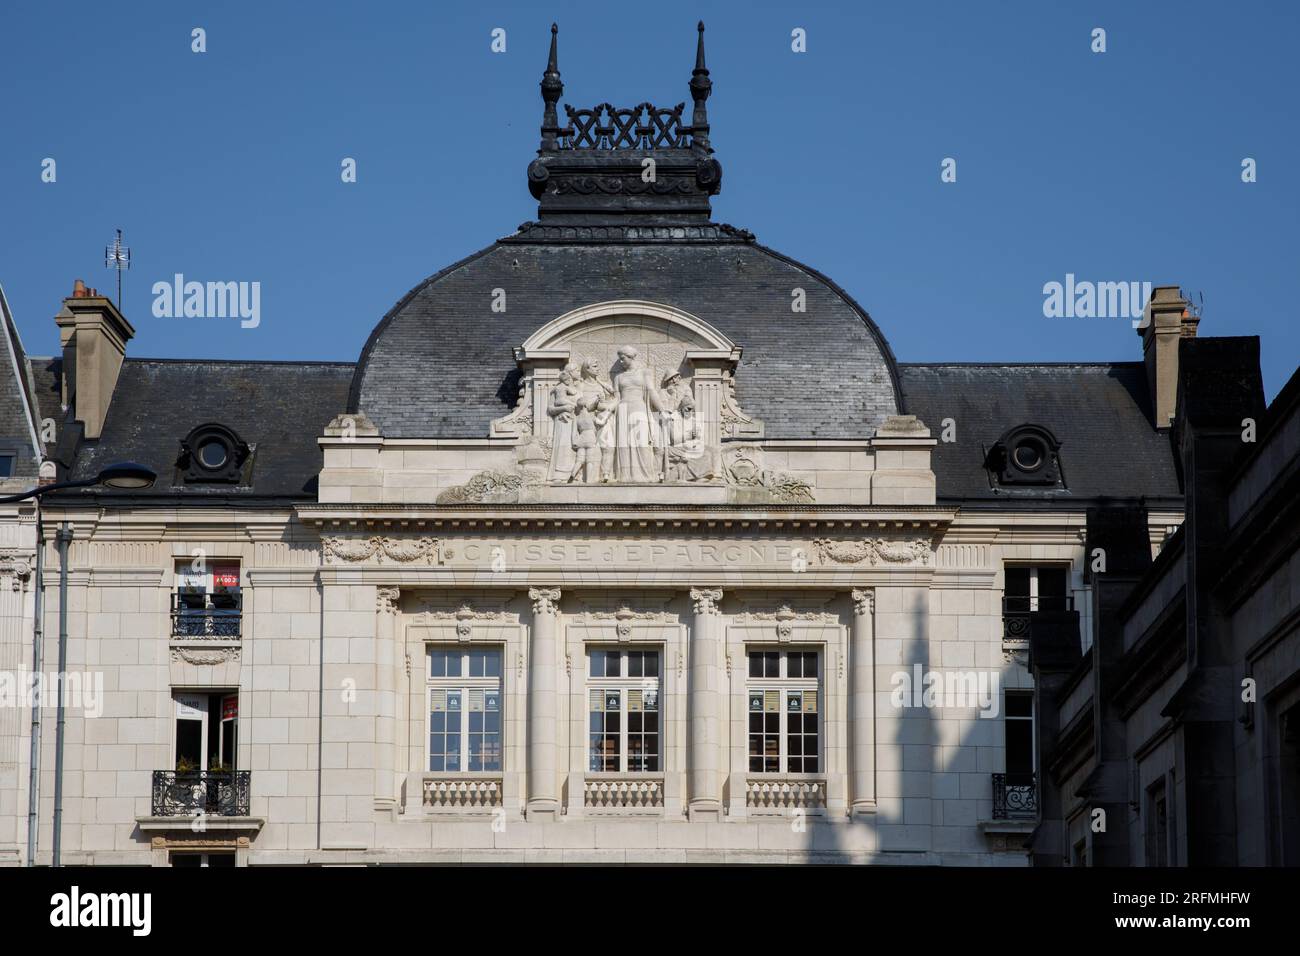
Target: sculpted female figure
x,y
562,406
600,398
636,426
689,459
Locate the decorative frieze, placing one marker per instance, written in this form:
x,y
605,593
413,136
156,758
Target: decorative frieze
x,y
874,551
206,656
623,619
380,549
487,487
464,617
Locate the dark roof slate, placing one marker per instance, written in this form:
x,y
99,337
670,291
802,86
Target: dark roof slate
x,y
1100,413
440,364
280,407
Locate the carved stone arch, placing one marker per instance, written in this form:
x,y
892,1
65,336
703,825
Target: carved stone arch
x,y
667,339
556,335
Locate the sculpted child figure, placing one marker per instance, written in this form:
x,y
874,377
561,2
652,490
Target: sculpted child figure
x,y
586,454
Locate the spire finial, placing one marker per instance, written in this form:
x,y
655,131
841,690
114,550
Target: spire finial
x,y
552,88
701,87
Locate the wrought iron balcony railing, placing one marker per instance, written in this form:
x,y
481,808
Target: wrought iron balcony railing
x,y
1018,611
188,793
205,616
1015,796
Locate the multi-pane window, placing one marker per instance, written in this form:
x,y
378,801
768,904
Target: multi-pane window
x,y
1037,589
464,709
207,601
784,712
623,711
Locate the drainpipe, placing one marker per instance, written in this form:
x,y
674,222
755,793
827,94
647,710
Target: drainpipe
x,y
320,712
63,538
38,637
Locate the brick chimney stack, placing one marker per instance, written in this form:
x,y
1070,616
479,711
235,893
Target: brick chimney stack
x,y
93,334
1169,318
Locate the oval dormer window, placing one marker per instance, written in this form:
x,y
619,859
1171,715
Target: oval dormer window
x,y
213,453
1029,454
1026,455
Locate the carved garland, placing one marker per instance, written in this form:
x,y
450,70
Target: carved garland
x,y
874,551
785,617
624,617
497,487
205,656
380,548
464,616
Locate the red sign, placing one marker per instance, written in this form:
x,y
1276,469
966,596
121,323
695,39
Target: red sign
x,y
229,708
225,575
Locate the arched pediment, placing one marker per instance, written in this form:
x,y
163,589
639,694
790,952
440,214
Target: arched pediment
x,y
665,341
624,322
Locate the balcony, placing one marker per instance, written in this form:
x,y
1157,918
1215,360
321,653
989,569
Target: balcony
x,y
781,795
460,792
1020,611
1015,796
200,615
191,793
629,793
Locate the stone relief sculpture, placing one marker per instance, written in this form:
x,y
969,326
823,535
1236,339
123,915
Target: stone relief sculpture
x,y
628,393
635,437
562,406
874,551
599,399
687,457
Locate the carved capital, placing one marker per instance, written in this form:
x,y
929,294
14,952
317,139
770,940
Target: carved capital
x,y
387,600
544,599
17,568
706,600
863,601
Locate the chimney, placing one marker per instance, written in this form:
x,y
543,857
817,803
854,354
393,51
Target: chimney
x,y
1168,318
94,336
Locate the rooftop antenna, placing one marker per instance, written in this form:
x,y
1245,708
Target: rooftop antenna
x,y
117,256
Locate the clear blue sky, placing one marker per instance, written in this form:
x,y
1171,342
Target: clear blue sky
x,y
225,166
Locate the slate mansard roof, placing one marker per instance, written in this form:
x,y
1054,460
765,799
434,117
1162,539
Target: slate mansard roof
x,y
824,373
1100,412
280,408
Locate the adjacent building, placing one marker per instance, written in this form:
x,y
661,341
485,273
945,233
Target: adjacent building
x,y
1172,740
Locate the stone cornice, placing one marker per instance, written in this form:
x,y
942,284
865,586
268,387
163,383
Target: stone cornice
x,y
827,518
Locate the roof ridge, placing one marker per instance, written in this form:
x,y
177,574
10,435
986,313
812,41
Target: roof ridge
x,y
210,361
1112,364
